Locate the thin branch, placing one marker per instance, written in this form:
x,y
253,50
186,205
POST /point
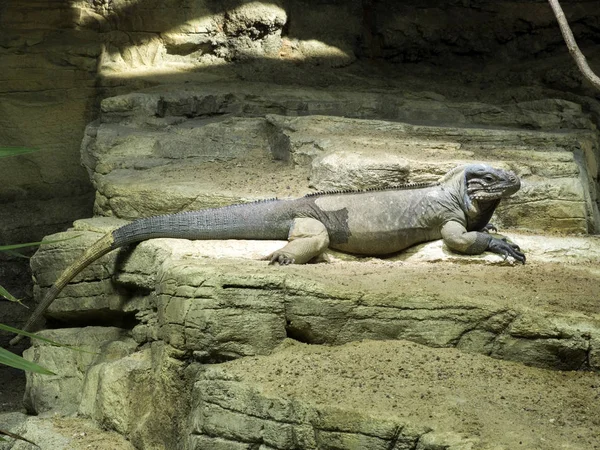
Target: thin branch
x,y
572,45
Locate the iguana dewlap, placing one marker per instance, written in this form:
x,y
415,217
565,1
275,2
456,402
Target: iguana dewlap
x,y
373,222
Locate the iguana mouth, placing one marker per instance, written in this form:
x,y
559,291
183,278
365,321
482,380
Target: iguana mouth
x,y
487,193
488,185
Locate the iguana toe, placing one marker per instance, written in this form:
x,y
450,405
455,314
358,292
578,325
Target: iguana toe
x,y
505,248
280,259
489,228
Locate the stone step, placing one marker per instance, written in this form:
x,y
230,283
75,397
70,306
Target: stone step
x,y
215,299
369,394
59,433
234,149
419,351
399,395
167,103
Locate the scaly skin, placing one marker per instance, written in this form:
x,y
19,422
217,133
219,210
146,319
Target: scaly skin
x,y
377,222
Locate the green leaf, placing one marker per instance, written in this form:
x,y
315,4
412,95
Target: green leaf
x,y
43,339
4,248
10,359
14,151
17,254
31,335
8,296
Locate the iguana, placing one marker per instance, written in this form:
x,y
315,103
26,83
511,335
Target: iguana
x,y
372,222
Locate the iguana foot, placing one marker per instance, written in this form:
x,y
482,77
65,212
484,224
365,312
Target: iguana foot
x,y
490,227
505,248
280,258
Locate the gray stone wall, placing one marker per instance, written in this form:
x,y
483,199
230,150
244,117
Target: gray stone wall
x,y
59,59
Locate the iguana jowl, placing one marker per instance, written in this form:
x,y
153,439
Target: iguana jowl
x,y
376,222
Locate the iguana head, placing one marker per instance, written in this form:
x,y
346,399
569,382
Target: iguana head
x,y
487,184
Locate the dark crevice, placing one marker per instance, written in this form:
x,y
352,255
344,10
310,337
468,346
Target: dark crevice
x,y
302,334
214,357
188,48
96,318
241,286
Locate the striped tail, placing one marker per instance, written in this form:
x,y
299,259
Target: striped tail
x,y
98,249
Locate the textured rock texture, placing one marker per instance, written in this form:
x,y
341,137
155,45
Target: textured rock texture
x,y
228,308
387,395
206,303
47,90
372,394
59,433
198,149
203,103
399,353
59,60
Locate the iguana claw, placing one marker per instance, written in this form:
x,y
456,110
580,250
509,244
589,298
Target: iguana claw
x,y
490,227
280,258
506,249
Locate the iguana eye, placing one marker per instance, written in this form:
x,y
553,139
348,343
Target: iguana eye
x,y
488,178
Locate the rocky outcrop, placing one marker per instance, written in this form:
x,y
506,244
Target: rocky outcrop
x,y
60,60
399,353
229,308
372,394
192,343
192,142
383,395
59,433
193,317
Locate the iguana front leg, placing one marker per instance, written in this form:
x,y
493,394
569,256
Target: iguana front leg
x,y
307,239
457,238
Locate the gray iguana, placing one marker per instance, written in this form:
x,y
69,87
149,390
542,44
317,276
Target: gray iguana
x,y
372,222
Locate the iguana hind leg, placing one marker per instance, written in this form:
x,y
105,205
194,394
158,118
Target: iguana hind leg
x,y
307,238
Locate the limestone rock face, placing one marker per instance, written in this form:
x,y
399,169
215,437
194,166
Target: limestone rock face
x,y
64,390
193,104
224,308
358,170
170,138
379,402
59,61
59,433
390,345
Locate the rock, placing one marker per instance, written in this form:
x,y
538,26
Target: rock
x,y
320,53
371,394
210,302
60,433
220,326
86,295
131,151
196,298
385,395
197,140
63,391
358,170
79,55
152,377
255,20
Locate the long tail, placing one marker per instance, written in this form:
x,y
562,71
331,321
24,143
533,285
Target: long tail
x,y
98,249
246,221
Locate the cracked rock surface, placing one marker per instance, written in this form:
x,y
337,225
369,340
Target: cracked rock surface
x,y
216,299
395,352
392,394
